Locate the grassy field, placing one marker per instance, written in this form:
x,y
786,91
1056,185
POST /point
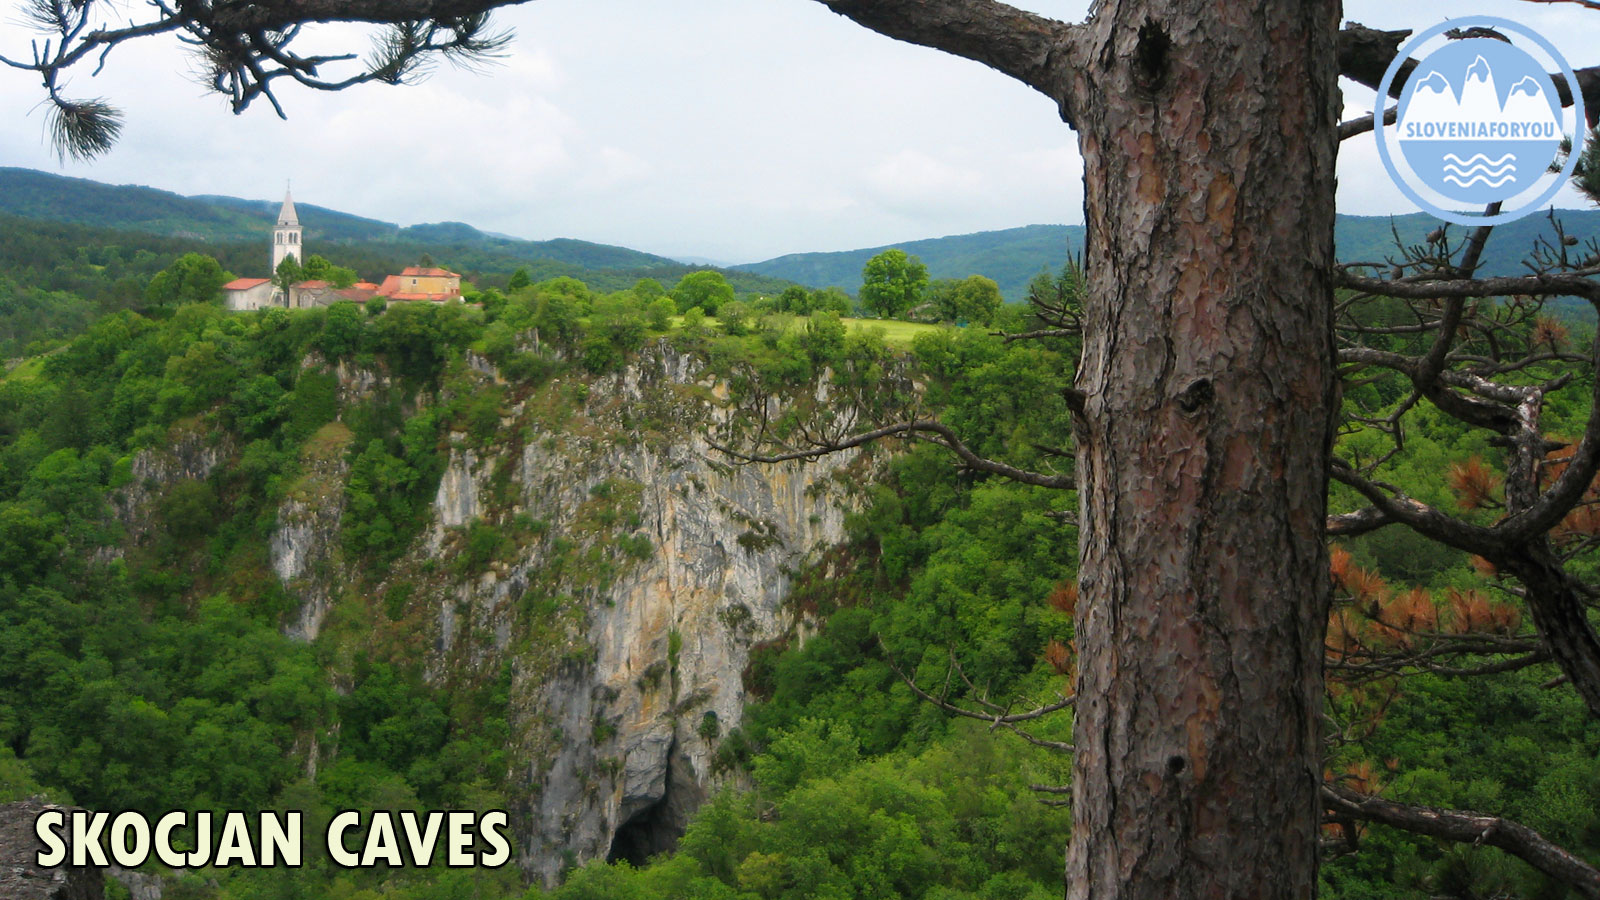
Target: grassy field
x,y
895,334
898,334
26,370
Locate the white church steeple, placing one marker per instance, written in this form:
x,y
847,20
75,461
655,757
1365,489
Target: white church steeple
x,y
286,235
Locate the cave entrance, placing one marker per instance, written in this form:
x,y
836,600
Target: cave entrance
x,y
656,828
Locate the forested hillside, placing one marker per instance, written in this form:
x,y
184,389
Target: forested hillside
x,y
486,556
35,204
56,277
1014,256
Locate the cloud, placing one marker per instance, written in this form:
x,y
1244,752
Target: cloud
x,y
722,128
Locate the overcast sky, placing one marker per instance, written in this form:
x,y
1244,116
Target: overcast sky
x,y
730,129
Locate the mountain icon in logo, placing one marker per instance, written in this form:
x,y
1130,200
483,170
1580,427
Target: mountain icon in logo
x,y
1468,139
1436,113
1477,124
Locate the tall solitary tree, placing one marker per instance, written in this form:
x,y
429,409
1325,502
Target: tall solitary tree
x,y
1205,399
892,283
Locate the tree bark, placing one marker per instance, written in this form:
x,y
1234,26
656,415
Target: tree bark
x,y
1208,133
1559,608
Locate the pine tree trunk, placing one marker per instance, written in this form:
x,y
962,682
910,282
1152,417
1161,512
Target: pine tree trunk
x,y
1208,133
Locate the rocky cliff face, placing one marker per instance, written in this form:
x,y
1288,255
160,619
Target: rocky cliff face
x,y
22,878
629,573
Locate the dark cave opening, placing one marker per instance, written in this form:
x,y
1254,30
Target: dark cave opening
x,y
646,834
656,828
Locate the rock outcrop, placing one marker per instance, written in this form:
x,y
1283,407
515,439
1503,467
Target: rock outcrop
x,y
22,878
634,571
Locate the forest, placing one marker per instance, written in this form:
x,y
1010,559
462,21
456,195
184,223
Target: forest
x,y
149,664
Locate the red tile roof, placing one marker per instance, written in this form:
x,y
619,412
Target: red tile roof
x,y
434,297
415,271
244,284
312,285
392,289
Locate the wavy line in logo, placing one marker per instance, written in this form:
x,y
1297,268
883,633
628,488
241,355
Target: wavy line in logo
x,y
1477,178
1479,157
1479,170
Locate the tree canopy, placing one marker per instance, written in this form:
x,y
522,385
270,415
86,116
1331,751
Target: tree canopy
x,y
892,283
706,291
193,278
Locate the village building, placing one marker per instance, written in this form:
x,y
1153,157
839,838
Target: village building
x,y
286,235
250,293
415,283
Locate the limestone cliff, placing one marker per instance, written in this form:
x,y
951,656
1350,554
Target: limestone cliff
x,y
629,572
22,878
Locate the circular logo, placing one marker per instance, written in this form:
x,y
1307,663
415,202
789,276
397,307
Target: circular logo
x,y
1479,122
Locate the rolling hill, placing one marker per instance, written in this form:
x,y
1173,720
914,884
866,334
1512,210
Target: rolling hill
x,y
1014,256
233,228
41,195
235,231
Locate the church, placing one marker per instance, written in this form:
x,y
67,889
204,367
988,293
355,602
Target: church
x,y
414,283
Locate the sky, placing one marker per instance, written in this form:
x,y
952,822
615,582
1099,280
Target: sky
x,y
728,130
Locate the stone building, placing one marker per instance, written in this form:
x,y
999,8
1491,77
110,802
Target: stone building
x,y
251,293
417,283
414,283
286,235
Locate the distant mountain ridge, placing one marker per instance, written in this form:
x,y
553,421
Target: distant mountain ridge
x,y
1011,257
1014,256
236,232
41,195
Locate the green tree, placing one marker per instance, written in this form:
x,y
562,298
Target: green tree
x,y
647,289
288,274
660,312
831,299
519,279
705,290
694,322
341,330
794,299
971,300
319,269
735,318
892,283
192,278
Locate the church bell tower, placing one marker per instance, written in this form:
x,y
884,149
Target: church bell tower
x,y
286,236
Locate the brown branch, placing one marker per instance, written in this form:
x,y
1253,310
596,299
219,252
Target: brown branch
x,y
1031,48
1000,718
1557,602
1360,522
1572,284
1587,4
1420,517
1365,54
1573,482
942,435
1447,647
1467,827
1364,124
1010,336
